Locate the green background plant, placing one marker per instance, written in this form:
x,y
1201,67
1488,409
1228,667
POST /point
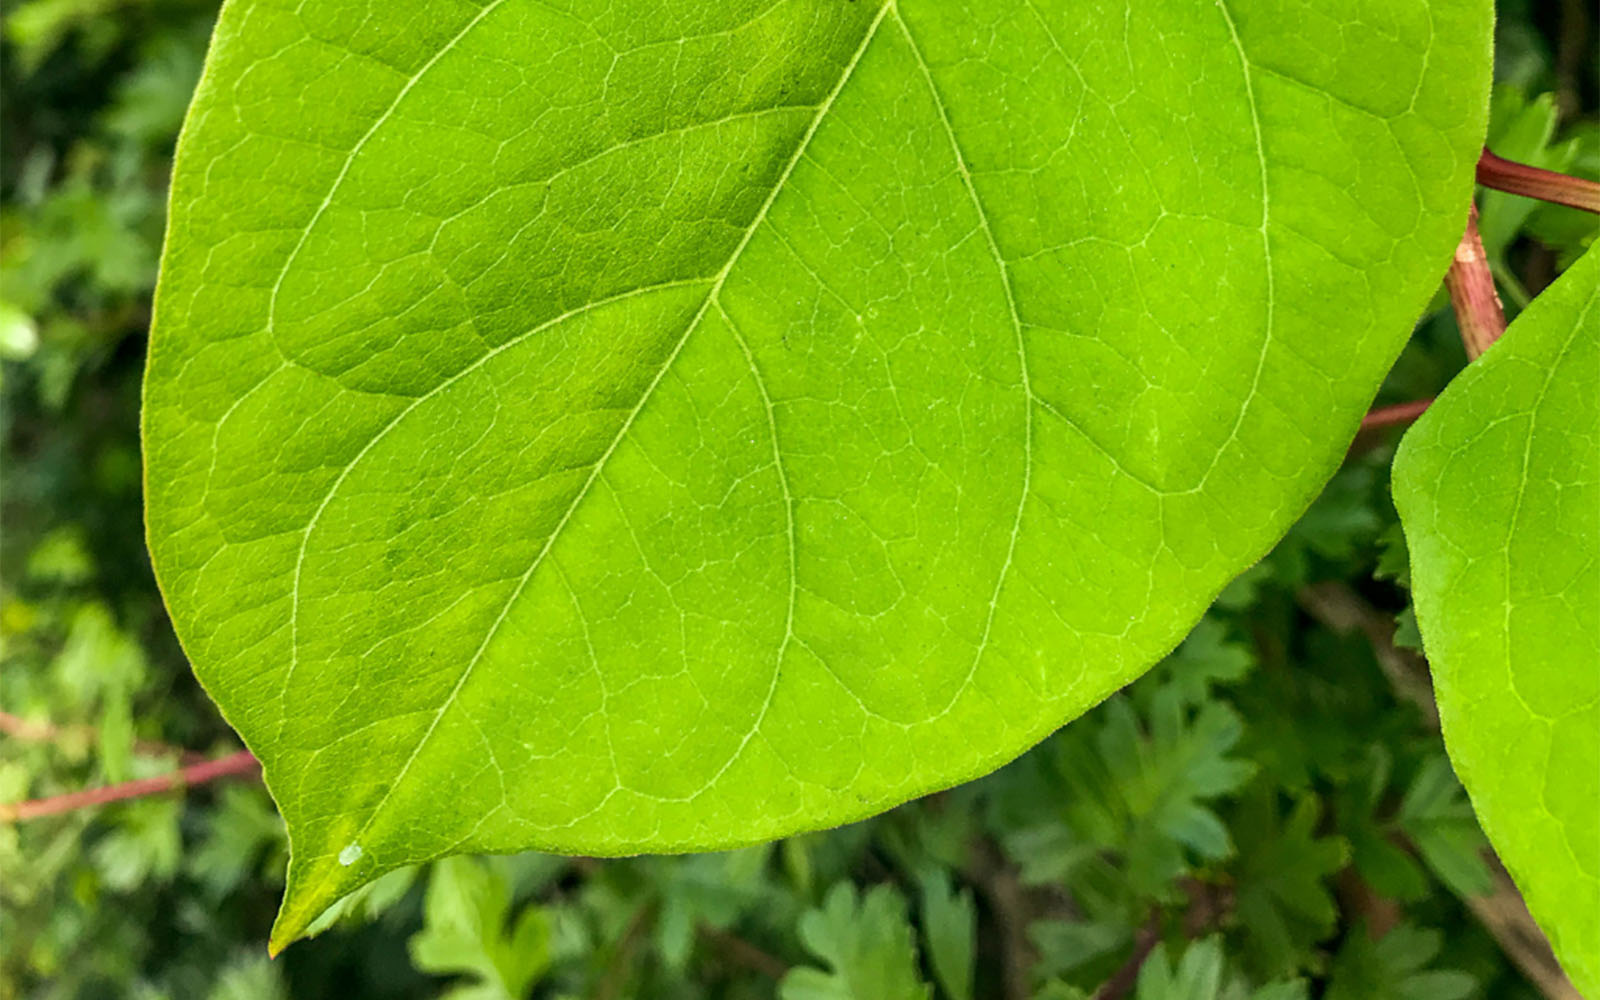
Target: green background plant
x,y
1347,818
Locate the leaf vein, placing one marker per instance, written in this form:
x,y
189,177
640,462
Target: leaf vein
x,y
1022,363
711,296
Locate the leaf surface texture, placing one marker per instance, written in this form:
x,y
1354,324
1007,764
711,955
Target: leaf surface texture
x,y
1498,487
659,426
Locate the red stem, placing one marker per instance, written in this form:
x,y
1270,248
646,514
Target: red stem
x,y
238,765
1478,311
1395,415
1535,182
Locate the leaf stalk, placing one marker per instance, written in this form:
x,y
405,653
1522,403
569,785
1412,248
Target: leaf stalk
x,y
1471,284
1395,415
1512,177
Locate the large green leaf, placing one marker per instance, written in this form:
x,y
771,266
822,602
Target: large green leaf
x,y
1498,487
623,426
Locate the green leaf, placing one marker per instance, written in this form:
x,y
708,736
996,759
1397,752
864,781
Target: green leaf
x,y
867,945
1065,945
1208,658
1284,904
950,928
1385,865
1497,486
1197,976
1185,764
1406,633
1394,968
1439,821
605,428
1394,562
1202,975
145,847
1114,785
370,902
240,828
712,890
465,931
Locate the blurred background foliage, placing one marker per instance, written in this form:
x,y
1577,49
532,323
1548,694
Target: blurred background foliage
x,y
1267,815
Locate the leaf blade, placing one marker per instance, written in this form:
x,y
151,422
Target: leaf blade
x,y
703,460
1495,493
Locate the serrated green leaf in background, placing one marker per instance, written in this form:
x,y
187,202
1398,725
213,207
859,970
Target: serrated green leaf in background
x,y
1202,974
1394,967
1438,820
950,931
612,427
1498,487
465,932
1284,904
867,944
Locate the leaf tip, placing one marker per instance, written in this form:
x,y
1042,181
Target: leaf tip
x,y
313,887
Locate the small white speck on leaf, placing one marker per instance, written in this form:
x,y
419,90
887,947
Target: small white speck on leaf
x,y
350,855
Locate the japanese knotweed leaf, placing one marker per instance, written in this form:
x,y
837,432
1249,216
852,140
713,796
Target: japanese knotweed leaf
x,y
1498,487
623,426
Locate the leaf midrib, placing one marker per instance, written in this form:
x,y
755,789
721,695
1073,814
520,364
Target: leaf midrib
x,y
717,283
